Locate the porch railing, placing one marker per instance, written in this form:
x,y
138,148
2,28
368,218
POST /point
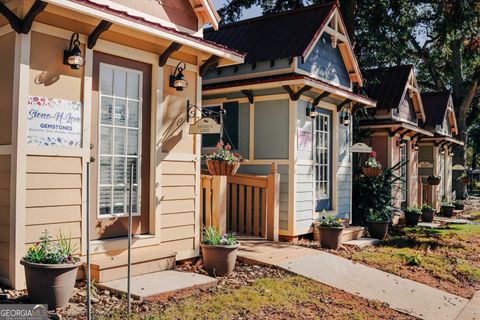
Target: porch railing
x,y
245,204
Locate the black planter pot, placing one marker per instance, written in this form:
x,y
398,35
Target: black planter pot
x,y
460,207
448,211
428,215
411,218
378,230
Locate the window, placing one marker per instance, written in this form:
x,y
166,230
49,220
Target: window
x,y
230,125
119,139
322,156
403,174
441,170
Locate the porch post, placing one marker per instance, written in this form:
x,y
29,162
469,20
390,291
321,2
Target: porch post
x,y
219,203
273,203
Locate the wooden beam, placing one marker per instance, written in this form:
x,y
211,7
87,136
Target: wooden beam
x,y
211,62
317,100
174,46
249,95
101,28
393,133
15,22
343,104
294,96
37,7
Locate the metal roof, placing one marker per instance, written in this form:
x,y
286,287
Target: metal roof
x,y
274,36
435,105
387,85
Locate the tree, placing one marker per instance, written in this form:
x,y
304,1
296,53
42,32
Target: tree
x,y
474,144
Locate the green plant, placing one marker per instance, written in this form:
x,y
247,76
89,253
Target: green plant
x,y
224,153
212,237
413,209
372,161
411,260
378,216
458,202
47,252
330,221
447,203
427,207
463,176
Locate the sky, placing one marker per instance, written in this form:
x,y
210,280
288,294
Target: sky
x,y
250,13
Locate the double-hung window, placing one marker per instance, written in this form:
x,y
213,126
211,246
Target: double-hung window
x,y
322,156
403,175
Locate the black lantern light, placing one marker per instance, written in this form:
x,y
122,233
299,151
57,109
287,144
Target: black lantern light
x,y
401,143
73,56
442,151
311,111
177,80
416,147
345,119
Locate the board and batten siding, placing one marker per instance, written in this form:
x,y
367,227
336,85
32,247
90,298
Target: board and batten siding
x,y
263,170
53,198
5,170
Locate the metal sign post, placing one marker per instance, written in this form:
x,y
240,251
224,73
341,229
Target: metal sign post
x,y
129,267
89,302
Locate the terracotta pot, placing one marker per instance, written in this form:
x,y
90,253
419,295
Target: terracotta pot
x,y
378,229
50,284
330,237
448,211
465,180
434,181
219,261
411,218
371,171
222,168
428,215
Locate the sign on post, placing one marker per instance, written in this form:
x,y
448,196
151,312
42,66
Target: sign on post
x,y
205,126
360,148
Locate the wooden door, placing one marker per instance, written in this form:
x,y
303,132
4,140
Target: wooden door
x,y
120,137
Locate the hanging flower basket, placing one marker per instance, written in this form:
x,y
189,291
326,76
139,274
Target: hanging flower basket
x,y
465,180
434,181
372,171
222,168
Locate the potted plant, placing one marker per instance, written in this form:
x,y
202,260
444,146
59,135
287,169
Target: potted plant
x,y
219,252
331,229
459,205
447,209
377,223
412,216
50,271
371,167
428,213
434,180
464,178
223,162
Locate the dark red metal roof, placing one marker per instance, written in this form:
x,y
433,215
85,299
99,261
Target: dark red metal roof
x,y
282,35
387,85
435,105
126,15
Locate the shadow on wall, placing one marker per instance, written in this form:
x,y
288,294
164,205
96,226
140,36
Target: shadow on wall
x,y
47,78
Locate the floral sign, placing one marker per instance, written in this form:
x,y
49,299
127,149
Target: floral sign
x,y
54,122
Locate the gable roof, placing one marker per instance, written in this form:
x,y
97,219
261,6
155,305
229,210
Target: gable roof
x,y
435,105
387,85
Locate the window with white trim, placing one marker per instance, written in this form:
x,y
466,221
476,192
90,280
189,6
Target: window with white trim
x,y
403,174
120,134
322,156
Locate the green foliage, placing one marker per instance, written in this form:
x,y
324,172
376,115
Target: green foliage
x,y
212,237
413,209
330,221
427,207
378,216
447,203
375,193
411,260
47,252
224,153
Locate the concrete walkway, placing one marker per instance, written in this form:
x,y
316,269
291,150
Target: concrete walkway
x,y
471,310
401,294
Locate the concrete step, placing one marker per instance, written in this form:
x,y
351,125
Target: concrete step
x,y
362,242
113,265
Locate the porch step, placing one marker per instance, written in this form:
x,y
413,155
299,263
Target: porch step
x,y
352,233
113,265
362,243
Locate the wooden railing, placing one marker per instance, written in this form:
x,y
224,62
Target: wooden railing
x,y
244,204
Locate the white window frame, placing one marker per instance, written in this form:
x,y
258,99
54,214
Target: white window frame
x,y
139,156
327,164
403,174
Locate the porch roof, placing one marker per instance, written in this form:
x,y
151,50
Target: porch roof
x,y
394,126
440,138
288,79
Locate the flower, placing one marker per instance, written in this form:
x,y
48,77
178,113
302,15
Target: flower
x,y
224,153
373,154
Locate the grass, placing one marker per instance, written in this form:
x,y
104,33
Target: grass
x,y
449,255
291,297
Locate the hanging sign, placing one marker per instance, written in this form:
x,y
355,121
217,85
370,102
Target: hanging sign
x,y
205,126
425,164
54,122
458,167
304,139
360,148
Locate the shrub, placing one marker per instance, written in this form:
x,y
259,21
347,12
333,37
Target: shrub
x,y
212,237
46,252
413,209
427,207
330,221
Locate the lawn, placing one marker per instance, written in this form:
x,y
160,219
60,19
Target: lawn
x,y
447,258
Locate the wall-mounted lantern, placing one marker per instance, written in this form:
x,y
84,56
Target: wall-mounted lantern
x,y
311,111
442,151
416,147
401,143
345,119
177,80
73,56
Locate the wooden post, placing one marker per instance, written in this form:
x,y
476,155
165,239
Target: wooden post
x,y
219,203
273,203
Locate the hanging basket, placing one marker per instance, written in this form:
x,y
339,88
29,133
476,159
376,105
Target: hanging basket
x,y
465,180
434,181
372,171
222,168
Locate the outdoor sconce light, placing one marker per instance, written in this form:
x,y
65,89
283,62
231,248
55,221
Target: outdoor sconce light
x,y
442,152
345,120
401,143
312,111
73,56
177,80
416,147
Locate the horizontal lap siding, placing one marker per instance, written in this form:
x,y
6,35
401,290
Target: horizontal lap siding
x,y
265,170
177,205
53,198
5,166
304,195
344,172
